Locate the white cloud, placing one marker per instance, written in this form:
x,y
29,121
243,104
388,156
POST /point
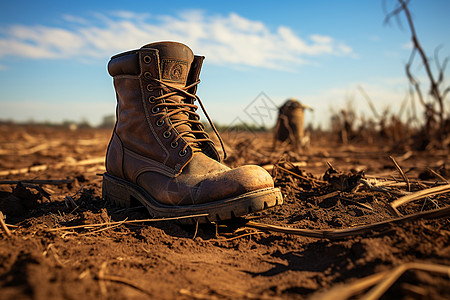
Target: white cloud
x,y
230,39
345,49
130,15
321,39
40,42
75,19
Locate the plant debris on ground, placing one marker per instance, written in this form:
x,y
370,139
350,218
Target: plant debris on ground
x,y
339,234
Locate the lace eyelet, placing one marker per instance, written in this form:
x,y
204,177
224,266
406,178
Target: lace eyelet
x,y
149,88
155,109
167,134
151,99
174,145
147,59
160,123
182,153
147,75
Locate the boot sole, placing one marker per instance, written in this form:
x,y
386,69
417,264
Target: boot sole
x,y
127,194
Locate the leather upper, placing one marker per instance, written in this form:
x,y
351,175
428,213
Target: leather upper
x,y
136,128
158,143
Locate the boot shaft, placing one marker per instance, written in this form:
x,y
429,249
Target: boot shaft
x,y
149,135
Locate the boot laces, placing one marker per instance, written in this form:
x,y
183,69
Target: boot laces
x,y
174,108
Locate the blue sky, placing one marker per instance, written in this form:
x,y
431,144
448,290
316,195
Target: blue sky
x,y
53,54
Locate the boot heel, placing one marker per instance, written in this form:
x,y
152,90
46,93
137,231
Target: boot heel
x,y
115,192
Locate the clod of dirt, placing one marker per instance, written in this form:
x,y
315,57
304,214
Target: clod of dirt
x,y
19,202
88,217
81,178
341,181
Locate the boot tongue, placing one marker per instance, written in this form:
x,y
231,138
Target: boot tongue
x,y
175,61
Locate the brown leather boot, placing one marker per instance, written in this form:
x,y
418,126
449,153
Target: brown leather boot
x,y
160,154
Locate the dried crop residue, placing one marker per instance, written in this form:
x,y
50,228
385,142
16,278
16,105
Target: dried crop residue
x,y
67,243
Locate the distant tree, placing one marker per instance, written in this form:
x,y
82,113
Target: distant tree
x,y
436,126
108,121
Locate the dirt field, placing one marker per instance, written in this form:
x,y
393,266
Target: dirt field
x,y
64,243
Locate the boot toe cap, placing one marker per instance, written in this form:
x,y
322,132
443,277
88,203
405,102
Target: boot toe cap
x,y
233,183
250,178
188,189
